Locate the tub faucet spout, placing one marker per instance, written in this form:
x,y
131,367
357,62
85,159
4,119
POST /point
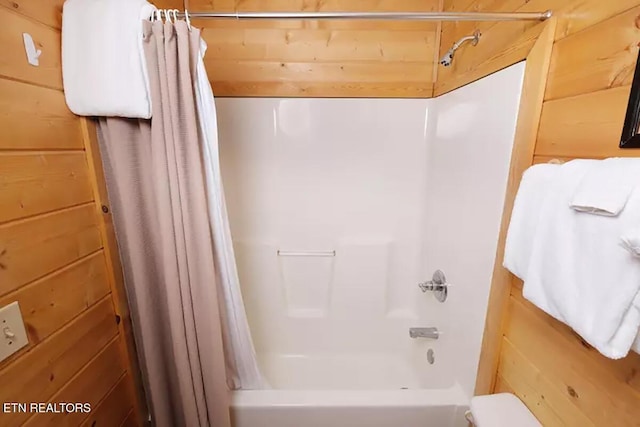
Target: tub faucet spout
x,y
432,333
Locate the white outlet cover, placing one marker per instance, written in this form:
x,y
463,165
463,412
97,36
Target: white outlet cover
x,y
13,335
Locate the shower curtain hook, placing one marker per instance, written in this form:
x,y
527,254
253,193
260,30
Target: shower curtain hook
x,y
186,18
175,15
167,14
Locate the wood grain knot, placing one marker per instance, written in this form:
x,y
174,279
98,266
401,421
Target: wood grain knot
x,y
572,391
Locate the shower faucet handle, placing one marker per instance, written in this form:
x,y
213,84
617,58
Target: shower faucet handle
x,y
437,282
430,285
438,285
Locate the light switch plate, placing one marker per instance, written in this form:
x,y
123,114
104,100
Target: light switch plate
x,y
13,335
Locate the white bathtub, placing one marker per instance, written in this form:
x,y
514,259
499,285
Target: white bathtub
x,y
349,390
349,408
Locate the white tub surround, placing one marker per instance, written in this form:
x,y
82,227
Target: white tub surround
x,y
339,208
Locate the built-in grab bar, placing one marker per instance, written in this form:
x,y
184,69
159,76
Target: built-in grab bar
x,y
432,333
307,253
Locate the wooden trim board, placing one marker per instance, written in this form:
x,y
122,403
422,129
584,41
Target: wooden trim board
x,y
534,85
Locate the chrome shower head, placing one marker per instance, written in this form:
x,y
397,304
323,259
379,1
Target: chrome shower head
x,y
447,58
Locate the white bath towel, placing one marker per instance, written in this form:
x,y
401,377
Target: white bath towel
x,y
579,272
607,185
103,65
534,187
630,240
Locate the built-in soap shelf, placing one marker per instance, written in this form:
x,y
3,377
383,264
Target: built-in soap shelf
x,y
307,253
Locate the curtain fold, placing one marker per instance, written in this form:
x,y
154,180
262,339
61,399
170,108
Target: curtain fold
x,y
157,188
243,370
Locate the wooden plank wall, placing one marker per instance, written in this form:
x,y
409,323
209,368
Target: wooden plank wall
x,y
319,58
558,376
56,249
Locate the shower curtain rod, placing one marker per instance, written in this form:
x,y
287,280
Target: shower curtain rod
x,y
416,16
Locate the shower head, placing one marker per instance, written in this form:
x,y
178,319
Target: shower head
x,y
447,58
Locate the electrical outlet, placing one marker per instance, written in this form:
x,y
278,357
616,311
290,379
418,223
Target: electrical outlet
x,y
13,336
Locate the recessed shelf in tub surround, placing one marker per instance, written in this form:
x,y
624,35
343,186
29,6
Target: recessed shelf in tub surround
x,y
319,283
307,282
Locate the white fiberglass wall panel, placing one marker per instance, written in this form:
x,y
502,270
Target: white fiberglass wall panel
x,y
468,167
324,175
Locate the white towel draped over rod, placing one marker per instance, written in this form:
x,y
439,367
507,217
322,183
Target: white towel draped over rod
x,y
415,16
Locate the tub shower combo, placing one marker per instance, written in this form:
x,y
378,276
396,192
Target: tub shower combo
x,y
365,283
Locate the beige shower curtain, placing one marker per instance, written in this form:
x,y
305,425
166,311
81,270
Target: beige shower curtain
x,y
157,189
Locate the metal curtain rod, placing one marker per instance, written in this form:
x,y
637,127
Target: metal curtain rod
x,y
416,16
